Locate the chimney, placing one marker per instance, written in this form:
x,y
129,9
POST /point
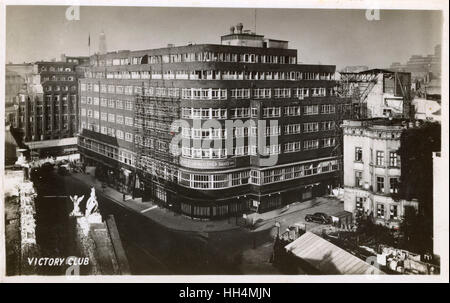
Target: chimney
x,y
239,28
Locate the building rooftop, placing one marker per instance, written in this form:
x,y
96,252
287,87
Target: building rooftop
x,y
329,258
376,122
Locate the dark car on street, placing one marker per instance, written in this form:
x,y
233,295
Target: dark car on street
x,y
318,218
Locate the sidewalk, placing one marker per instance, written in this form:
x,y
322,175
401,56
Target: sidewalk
x,y
178,222
160,215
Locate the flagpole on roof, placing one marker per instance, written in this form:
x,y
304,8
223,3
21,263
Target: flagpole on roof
x,y
89,44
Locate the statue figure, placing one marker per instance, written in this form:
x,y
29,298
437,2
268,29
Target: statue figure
x,y
91,204
76,205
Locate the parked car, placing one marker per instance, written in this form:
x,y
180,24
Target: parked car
x,y
318,218
63,170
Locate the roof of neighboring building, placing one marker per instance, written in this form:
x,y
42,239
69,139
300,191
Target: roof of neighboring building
x,y
437,113
376,70
329,258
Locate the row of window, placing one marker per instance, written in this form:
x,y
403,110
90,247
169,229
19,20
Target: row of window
x,y
117,133
55,69
292,172
111,103
58,78
206,93
58,88
308,110
220,133
380,209
197,57
394,157
207,75
115,153
275,149
380,183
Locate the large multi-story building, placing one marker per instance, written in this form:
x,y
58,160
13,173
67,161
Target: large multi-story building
x,y
425,73
47,109
372,169
129,100
16,76
422,68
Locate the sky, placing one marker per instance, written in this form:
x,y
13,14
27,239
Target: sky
x,y
337,37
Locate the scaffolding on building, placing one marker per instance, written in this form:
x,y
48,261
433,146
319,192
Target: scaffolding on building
x,y
155,163
352,91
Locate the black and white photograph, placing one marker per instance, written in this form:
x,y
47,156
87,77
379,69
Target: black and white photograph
x,y
183,141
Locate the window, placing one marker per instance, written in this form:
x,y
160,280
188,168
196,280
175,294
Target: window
x,y
380,158
310,144
360,204
393,159
358,154
311,109
128,121
310,127
119,134
358,178
269,112
327,109
393,213
393,185
292,129
292,111
380,184
380,210
292,147
327,125
128,137
328,142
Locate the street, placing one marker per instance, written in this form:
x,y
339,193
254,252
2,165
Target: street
x,y
156,249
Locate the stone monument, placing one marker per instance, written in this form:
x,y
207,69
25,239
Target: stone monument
x,y
76,205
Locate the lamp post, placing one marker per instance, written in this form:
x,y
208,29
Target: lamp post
x,y
278,225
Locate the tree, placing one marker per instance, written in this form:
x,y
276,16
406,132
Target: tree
x,y
416,182
417,232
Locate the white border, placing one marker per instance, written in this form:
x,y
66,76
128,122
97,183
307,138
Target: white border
x,y
322,4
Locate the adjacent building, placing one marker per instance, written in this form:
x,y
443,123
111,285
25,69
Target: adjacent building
x,y
372,170
47,107
16,76
425,73
129,101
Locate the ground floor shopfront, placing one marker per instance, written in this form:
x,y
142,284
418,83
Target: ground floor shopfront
x,y
260,195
